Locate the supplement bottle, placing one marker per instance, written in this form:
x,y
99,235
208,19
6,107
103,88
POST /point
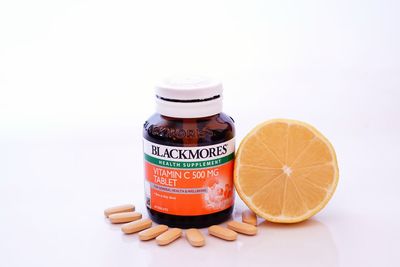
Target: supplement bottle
x,y
189,151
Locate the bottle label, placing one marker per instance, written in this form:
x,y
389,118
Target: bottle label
x,y
189,181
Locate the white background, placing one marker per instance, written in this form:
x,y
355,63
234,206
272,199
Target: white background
x,y
76,82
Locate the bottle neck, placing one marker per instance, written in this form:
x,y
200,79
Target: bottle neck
x,y
189,109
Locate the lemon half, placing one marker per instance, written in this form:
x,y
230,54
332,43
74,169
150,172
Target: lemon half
x,y
285,171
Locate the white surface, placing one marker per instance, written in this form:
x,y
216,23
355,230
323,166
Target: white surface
x,y
76,82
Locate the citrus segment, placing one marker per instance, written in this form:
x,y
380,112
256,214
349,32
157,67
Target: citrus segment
x,y
260,178
269,197
285,171
266,157
275,139
294,206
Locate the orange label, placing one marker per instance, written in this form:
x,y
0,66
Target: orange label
x,y
189,180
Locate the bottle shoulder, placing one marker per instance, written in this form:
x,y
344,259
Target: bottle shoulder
x,y
189,132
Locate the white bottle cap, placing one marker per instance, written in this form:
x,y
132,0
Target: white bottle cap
x,y
189,97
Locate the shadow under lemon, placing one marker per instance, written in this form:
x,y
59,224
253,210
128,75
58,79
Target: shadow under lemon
x,y
308,243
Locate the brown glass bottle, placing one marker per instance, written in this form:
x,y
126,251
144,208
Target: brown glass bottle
x,y
189,132
189,149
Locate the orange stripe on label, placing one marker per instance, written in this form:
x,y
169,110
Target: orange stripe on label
x,y
190,191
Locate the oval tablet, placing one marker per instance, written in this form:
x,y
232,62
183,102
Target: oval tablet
x,y
125,217
136,226
119,209
223,233
249,217
152,232
243,228
169,236
195,237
